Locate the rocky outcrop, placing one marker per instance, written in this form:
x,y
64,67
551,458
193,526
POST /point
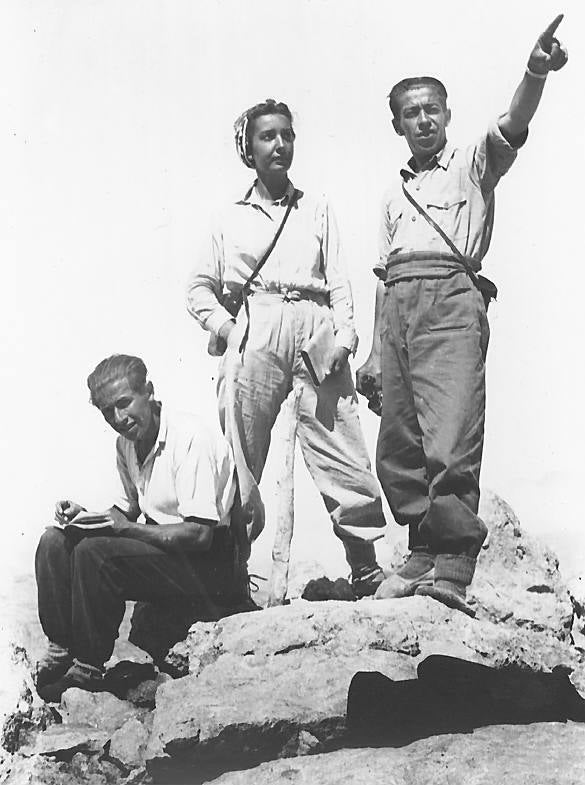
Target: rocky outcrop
x,y
287,670
266,692
549,754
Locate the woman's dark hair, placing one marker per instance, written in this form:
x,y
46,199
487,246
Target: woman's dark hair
x,y
269,106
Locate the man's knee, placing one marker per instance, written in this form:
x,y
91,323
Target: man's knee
x,y
52,543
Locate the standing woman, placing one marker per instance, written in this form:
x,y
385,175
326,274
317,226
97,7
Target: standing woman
x,y
300,287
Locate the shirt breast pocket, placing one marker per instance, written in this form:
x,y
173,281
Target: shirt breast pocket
x,y
446,212
450,214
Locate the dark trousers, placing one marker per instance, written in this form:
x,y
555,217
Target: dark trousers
x,y
434,341
83,585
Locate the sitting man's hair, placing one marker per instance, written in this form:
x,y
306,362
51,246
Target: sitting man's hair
x,y
118,366
408,84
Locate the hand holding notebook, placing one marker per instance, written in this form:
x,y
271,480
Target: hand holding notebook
x,y
318,353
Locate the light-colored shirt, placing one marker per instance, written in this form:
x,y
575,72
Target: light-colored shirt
x,y
189,473
306,258
458,193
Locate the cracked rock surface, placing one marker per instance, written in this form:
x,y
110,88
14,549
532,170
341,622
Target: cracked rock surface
x,y
264,694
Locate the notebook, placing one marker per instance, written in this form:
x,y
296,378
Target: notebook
x,y
86,521
318,353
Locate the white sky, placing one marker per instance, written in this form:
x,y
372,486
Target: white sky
x,y
116,146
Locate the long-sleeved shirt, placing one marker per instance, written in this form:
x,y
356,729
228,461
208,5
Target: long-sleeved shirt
x,y
306,258
458,193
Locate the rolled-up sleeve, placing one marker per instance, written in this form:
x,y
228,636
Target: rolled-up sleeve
x,y
492,156
126,498
204,480
340,294
205,285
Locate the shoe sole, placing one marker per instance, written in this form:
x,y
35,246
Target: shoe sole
x,y
408,588
450,599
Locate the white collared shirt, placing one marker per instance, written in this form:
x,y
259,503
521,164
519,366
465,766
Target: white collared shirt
x,y
458,193
306,257
189,473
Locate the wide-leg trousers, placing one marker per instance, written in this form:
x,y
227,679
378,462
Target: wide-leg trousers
x,y
252,386
434,339
83,586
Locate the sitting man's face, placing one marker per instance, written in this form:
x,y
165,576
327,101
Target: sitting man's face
x,y
128,411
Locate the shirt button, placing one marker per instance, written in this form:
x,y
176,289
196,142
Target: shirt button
x,y
413,218
417,188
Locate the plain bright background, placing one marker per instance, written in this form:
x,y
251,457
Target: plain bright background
x,y
116,148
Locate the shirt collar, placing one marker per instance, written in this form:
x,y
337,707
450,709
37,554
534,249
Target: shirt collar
x,y
442,159
258,196
163,426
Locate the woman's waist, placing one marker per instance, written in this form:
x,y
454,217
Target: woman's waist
x,y
318,293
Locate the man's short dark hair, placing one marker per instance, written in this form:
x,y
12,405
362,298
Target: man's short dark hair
x,y
408,84
118,366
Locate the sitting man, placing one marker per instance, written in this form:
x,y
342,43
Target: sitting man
x,y
181,478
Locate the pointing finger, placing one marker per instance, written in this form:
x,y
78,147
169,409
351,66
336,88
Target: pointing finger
x,y
551,29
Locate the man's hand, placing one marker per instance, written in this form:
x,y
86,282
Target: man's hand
x,y
548,54
368,379
66,510
339,361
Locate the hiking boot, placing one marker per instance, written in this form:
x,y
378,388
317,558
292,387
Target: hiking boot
x,y
80,675
417,570
365,582
453,594
54,664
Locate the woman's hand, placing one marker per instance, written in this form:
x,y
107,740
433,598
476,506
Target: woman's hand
x,y
339,361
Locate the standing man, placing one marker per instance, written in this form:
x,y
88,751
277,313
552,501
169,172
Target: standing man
x,y
181,478
431,331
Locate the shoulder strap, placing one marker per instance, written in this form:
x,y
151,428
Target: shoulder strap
x,y
442,234
256,271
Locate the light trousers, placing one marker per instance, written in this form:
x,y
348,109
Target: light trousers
x,y
253,385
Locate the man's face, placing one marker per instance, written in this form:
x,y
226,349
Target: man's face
x,y
273,144
423,121
127,411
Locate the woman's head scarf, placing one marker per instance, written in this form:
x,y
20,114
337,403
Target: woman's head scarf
x,y
241,140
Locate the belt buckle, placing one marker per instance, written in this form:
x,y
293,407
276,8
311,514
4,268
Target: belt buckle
x,y
291,295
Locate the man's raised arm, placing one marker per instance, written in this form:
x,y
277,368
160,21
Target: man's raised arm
x,y
547,55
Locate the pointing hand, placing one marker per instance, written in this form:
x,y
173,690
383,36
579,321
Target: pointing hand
x,y
548,54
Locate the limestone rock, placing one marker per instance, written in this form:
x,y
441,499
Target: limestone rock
x,y
60,739
32,771
22,712
577,593
144,695
92,770
543,753
128,744
192,654
517,581
96,709
286,670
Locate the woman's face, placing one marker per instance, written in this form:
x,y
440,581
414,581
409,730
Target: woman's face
x,y
273,144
